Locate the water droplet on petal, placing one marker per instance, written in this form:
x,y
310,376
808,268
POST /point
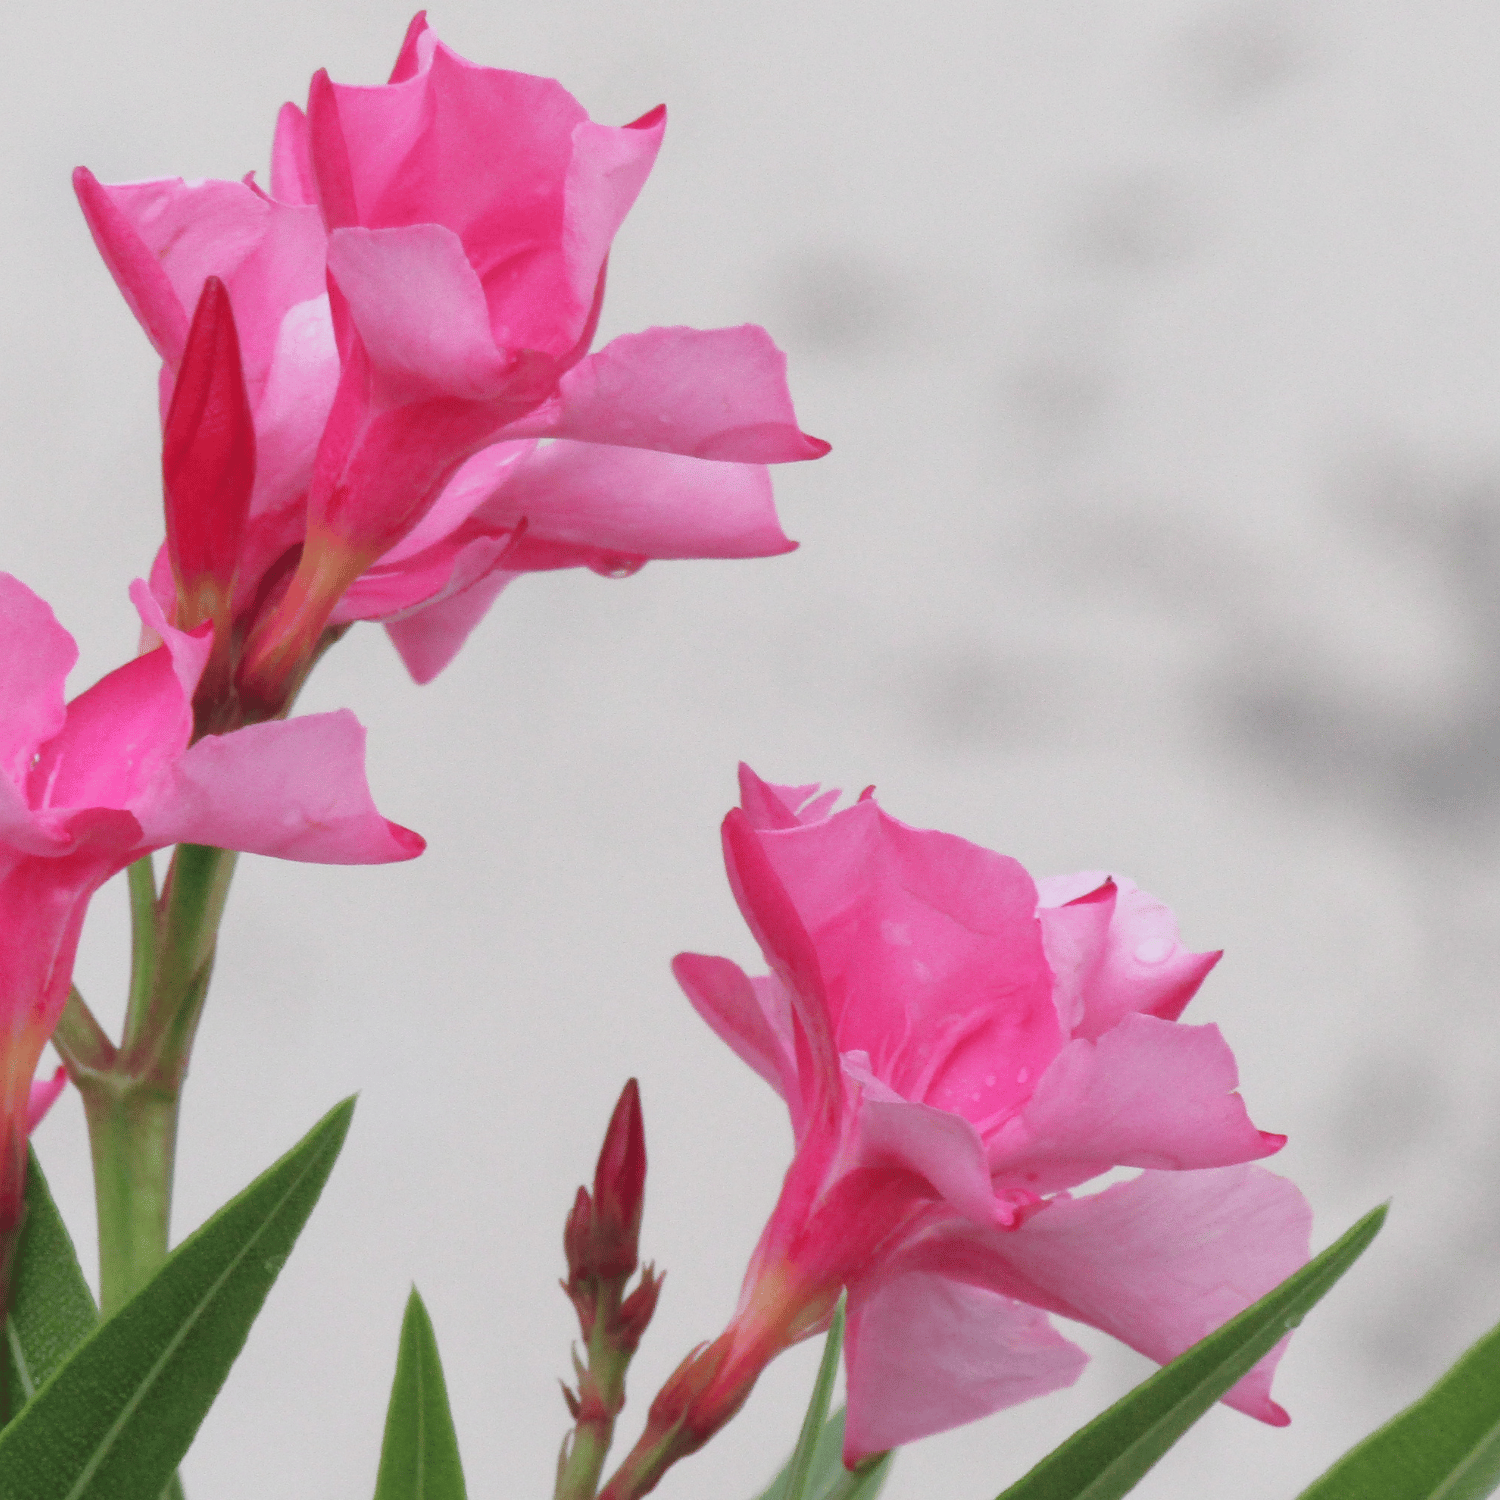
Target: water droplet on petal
x,y
617,564
1024,1076
989,1080
1154,950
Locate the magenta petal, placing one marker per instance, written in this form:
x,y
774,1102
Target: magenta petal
x,y
1164,1260
744,1015
638,503
709,393
295,790
923,935
925,1353
36,655
44,1094
1149,1093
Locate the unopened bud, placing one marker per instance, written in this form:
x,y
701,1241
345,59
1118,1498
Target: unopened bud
x,y
207,463
602,1235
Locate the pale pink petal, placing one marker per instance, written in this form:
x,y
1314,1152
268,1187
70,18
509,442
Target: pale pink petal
x,y
638,504
1075,936
725,996
295,790
1148,1093
44,1094
717,393
475,481
36,655
925,1353
420,311
428,640
1162,1261
921,935
1141,966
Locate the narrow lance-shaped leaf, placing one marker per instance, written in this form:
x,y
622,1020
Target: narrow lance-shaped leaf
x,y
830,1479
800,1481
419,1457
1445,1446
52,1310
117,1416
1107,1458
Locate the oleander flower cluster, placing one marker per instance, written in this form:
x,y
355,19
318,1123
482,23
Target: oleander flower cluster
x,y
380,400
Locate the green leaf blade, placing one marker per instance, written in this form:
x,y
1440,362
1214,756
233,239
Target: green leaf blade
x,y
419,1457
115,1418
52,1309
1108,1457
1444,1446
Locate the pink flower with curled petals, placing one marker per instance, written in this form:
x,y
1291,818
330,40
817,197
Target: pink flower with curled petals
x,y
959,1046
89,786
416,298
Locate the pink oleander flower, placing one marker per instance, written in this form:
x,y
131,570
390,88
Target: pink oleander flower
x,y
959,1046
415,299
89,786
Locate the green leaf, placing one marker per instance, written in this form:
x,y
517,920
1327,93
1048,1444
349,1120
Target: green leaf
x,y
116,1417
1109,1456
1447,1444
52,1310
797,1482
830,1479
419,1457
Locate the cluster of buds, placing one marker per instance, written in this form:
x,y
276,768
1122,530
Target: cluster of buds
x,y
601,1241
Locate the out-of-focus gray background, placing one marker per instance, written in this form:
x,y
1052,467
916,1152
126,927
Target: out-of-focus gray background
x,y
1157,345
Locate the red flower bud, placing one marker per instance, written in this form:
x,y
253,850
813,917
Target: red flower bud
x,y
207,463
602,1235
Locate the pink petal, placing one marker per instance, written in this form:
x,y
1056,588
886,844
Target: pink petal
x,y
293,789
778,927
420,311
718,393
1135,964
1162,1261
44,1094
138,272
270,255
754,1020
925,1353
641,504
605,176
940,1147
768,805
292,178
1149,1093
428,640
294,403
931,953
120,737
36,655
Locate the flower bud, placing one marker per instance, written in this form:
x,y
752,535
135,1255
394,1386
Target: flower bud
x,y
207,463
602,1236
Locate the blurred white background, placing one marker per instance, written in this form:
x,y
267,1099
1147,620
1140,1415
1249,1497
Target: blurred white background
x,y
1157,346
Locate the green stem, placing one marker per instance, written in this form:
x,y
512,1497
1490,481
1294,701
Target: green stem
x,y
142,879
133,1137
159,1030
601,1391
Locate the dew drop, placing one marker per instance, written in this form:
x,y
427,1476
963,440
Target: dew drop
x,y
1154,950
989,1080
617,564
1024,1076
